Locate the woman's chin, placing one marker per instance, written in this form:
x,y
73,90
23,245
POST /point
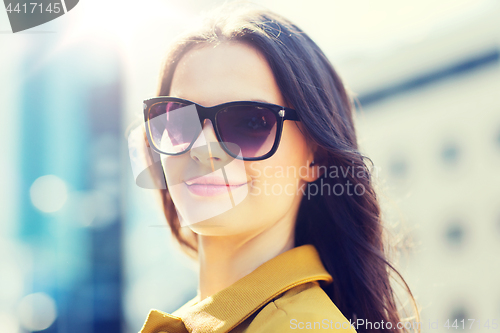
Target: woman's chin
x,y
213,227
226,223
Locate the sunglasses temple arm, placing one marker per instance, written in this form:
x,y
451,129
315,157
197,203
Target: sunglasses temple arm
x,y
291,114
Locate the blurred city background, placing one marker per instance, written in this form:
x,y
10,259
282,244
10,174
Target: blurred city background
x,y
84,250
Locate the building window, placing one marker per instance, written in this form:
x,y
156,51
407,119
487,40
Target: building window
x,y
457,314
450,153
498,222
497,139
398,167
455,234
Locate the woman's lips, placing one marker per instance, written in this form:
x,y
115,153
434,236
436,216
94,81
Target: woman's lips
x,y
208,186
211,190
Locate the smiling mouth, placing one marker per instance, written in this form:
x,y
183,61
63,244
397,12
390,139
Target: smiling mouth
x,y
208,190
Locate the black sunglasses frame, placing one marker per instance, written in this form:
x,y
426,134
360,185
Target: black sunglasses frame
x,y
282,113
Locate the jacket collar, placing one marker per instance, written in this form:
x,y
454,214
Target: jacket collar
x,y
229,307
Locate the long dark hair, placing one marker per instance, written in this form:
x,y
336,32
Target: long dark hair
x,y
346,229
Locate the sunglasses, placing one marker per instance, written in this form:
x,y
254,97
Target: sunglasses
x,y
246,130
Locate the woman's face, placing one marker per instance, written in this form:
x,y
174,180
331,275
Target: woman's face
x,y
261,192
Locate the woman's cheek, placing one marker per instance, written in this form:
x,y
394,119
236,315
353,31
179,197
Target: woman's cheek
x,y
173,167
272,181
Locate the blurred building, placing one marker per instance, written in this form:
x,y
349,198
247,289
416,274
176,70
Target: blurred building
x,y
430,121
61,217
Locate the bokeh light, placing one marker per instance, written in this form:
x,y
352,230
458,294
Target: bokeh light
x,y
37,311
49,193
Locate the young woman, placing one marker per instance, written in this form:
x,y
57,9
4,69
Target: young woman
x,y
266,187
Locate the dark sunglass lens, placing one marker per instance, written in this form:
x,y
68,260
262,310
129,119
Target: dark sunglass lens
x,y
173,126
251,128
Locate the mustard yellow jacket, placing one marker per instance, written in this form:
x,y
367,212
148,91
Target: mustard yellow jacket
x,y
281,295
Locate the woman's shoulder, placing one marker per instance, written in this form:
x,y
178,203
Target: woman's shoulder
x,y
305,306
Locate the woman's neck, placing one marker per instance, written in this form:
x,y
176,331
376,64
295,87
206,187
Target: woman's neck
x,y
226,259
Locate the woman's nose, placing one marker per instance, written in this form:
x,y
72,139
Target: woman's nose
x,y
206,148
